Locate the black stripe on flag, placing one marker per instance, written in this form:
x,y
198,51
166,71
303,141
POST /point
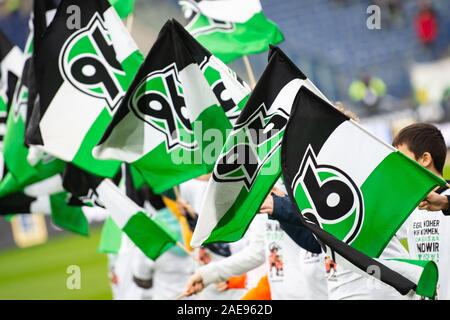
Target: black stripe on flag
x,y
5,46
16,203
312,121
278,73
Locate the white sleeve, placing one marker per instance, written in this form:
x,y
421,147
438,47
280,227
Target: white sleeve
x,y
245,260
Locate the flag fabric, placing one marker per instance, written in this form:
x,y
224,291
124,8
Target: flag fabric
x,y
350,183
150,235
249,164
231,29
11,64
110,238
64,216
16,153
82,75
123,7
180,94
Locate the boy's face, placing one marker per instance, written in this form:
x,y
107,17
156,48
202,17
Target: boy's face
x,y
425,160
403,148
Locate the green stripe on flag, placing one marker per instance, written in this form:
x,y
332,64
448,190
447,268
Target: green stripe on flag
x,y
427,283
251,37
379,217
149,235
68,217
123,7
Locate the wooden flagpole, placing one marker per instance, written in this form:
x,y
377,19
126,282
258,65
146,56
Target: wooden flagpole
x,y
182,247
250,73
129,23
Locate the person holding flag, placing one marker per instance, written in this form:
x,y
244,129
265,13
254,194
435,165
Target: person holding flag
x,y
427,232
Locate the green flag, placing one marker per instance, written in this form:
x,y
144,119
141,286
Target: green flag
x,y
150,235
231,29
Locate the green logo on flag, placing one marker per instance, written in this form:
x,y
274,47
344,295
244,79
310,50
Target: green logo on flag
x,y
250,145
327,196
158,100
88,61
200,24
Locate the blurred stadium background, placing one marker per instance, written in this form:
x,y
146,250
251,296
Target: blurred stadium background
x,y
390,77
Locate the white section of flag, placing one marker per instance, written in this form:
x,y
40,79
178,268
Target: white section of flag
x,y
120,207
343,146
230,10
62,128
123,43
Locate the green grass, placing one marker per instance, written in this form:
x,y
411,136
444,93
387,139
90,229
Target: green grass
x,y
40,272
447,172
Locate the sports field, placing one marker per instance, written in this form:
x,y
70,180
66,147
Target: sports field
x,y
40,272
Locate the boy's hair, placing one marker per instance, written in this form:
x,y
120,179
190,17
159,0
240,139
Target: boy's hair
x,y
421,138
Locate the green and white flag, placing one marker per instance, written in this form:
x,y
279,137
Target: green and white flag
x,y
47,197
249,164
347,181
22,170
150,235
231,29
351,185
83,74
174,119
11,65
123,7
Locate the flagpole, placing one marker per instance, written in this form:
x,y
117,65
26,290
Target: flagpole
x,y
129,23
181,296
250,73
190,254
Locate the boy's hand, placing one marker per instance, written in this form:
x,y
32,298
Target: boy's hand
x,y
195,284
267,206
434,202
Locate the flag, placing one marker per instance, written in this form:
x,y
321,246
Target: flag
x,y
231,28
352,185
123,7
150,235
16,153
82,75
64,216
180,95
249,164
11,64
347,181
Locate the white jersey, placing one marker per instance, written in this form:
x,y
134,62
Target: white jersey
x,y
169,273
123,286
293,272
193,191
429,239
